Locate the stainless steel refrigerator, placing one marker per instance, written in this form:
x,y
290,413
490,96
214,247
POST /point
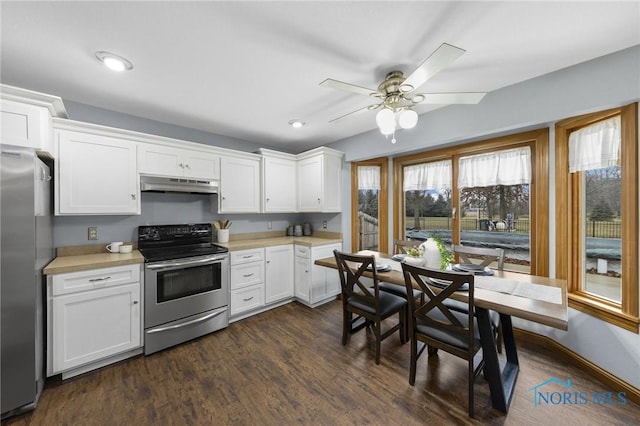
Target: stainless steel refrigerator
x,y
26,248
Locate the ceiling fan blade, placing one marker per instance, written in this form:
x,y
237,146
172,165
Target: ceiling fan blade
x,y
368,108
341,85
451,98
439,59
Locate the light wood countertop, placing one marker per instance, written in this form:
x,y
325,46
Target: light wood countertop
x,y
84,262
73,259
277,241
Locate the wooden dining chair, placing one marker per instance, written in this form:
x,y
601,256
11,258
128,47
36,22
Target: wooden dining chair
x,y
401,247
436,326
483,256
369,305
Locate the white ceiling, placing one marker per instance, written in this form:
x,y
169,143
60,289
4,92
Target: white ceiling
x,y
244,69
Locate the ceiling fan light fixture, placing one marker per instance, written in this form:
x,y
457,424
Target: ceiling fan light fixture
x,y
406,88
407,119
385,118
114,62
296,123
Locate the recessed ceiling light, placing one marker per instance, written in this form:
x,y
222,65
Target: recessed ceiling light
x,y
296,124
114,62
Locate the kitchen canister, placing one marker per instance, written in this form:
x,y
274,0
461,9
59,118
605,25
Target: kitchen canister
x,y
306,229
223,235
297,231
290,231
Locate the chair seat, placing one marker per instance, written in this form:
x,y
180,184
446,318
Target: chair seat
x,y
398,290
389,304
447,336
456,305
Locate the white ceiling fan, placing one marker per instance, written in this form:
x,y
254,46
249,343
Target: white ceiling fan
x,y
396,95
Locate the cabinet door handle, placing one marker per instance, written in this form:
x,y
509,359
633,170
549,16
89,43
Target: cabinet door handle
x,y
248,275
135,302
187,166
93,280
181,165
268,200
246,300
133,196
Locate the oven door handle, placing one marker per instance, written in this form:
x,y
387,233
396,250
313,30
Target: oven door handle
x,y
184,324
193,262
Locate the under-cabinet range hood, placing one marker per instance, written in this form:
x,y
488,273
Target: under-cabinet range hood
x,y
166,184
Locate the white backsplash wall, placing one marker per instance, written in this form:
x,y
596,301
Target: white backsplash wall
x,y
174,208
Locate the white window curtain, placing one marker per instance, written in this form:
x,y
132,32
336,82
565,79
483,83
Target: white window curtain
x,y
596,146
507,167
368,177
434,175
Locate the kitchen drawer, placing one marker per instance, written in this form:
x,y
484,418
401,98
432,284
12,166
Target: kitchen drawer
x,y
303,251
247,274
246,299
74,282
246,256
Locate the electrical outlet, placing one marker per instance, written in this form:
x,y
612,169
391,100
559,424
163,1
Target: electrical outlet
x,y
269,225
324,224
92,233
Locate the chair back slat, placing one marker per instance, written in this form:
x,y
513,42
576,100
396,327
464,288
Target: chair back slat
x,y
351,280
480,255
402,246
421,277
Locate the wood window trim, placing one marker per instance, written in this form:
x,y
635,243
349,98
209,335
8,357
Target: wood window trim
x,y
383,200
568,241
538,140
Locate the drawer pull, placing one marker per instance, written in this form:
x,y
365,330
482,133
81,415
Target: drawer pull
x,y
135,302
248,275
249,256
93,280
246,300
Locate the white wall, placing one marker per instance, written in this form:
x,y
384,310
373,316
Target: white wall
x,y
602,83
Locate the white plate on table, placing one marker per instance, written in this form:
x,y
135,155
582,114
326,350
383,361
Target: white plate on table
x,y
474,269
444,284
381,267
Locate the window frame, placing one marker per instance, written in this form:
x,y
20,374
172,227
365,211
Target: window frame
x,y
383,202
569,199
537,140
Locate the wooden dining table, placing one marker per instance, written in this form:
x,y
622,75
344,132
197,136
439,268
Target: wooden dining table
x,y
539,299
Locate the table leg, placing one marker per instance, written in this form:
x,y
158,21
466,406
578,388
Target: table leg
x,y
501,383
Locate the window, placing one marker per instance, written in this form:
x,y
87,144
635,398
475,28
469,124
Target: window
x,y
498,191
494,203
597,213
369,208
427,200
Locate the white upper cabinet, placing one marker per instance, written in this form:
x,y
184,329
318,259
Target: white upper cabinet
x,y
319,180
279,183
26,118
239,185
174,162
95,174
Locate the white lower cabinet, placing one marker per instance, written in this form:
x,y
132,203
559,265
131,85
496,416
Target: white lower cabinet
x,y
93,315
247,280
279,273
315,284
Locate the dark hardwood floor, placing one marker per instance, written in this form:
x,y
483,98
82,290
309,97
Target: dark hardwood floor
x,y
287,366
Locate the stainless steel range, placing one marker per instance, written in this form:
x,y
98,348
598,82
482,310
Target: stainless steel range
x,y
186,284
